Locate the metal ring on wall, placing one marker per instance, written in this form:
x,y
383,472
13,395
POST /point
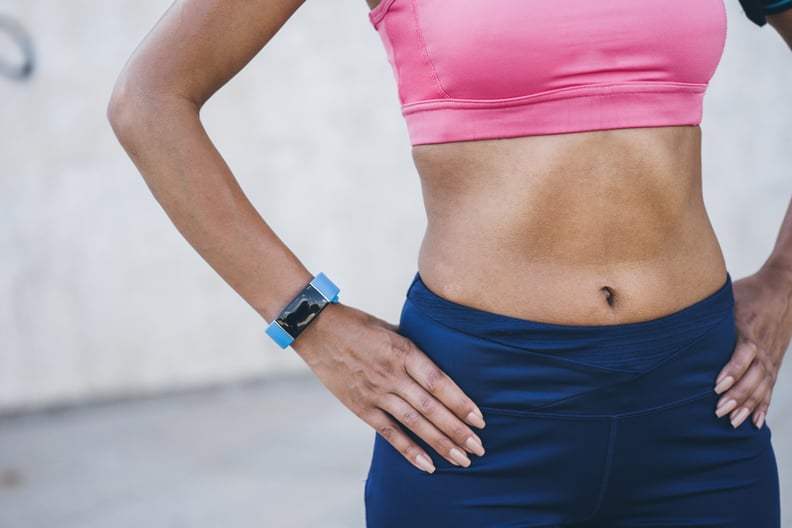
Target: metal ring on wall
x,y
19,35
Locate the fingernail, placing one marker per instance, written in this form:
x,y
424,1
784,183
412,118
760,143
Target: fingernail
x,y
759,420
725,408
474,445
475,419
459,457
740,417
724,385
423,462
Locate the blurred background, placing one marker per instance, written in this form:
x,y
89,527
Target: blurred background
x,y
136,388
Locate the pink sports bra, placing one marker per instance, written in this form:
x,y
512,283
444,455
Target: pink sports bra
x,y
482,69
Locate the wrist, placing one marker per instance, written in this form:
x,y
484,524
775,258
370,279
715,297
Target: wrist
x,y
779,267
303,309
275,295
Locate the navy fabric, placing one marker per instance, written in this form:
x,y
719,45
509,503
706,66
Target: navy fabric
x,y
587,426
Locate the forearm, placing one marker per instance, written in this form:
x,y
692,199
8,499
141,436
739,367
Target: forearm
x,y
781,256
165,139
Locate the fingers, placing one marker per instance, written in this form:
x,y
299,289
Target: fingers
x,y
760,394
744,354
444,421
412,419
443,388
390,431
760,413
433,407
749,395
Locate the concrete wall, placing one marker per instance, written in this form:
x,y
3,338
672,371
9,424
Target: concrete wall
x,y
100,297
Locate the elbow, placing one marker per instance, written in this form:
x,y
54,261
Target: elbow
x,y
137,107
145,113
124,111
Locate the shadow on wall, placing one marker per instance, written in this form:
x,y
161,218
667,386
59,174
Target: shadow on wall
x,y
17,55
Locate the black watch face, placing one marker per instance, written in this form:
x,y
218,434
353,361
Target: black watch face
x,y
299,314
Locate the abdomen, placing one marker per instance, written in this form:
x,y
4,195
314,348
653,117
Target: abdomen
x,y
591,228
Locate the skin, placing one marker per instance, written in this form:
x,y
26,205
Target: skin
x,y
599,227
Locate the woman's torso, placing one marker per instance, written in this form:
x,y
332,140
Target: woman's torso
x,y
597,227
591,228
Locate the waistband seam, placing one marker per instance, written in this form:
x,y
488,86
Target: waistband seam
x,y
619,417
638,375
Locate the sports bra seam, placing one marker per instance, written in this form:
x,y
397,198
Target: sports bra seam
x,y
396,66
561,93
378,13
725,22
425,50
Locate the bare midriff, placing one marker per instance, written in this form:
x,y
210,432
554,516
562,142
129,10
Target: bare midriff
x,y
592,228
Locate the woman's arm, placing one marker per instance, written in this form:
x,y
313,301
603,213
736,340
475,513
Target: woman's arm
x,y
193,50
763,310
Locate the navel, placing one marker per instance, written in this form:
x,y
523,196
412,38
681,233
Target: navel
x,y
610,295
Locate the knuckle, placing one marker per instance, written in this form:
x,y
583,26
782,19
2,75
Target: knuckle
x,y
410,418
388,431
427,405
433,379
400,346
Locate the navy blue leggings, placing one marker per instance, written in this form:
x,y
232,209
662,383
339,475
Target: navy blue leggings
x,y
587,426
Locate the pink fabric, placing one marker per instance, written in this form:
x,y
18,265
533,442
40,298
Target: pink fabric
x,y
474,69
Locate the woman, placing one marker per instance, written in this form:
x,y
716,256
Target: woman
x,y
571,291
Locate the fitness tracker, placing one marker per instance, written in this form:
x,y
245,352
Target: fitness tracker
x,y
302,311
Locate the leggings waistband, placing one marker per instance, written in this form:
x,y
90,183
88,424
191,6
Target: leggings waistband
x,y
524,366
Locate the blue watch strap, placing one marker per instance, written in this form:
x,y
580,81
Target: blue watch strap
x,y
326,287
302,310
279,335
